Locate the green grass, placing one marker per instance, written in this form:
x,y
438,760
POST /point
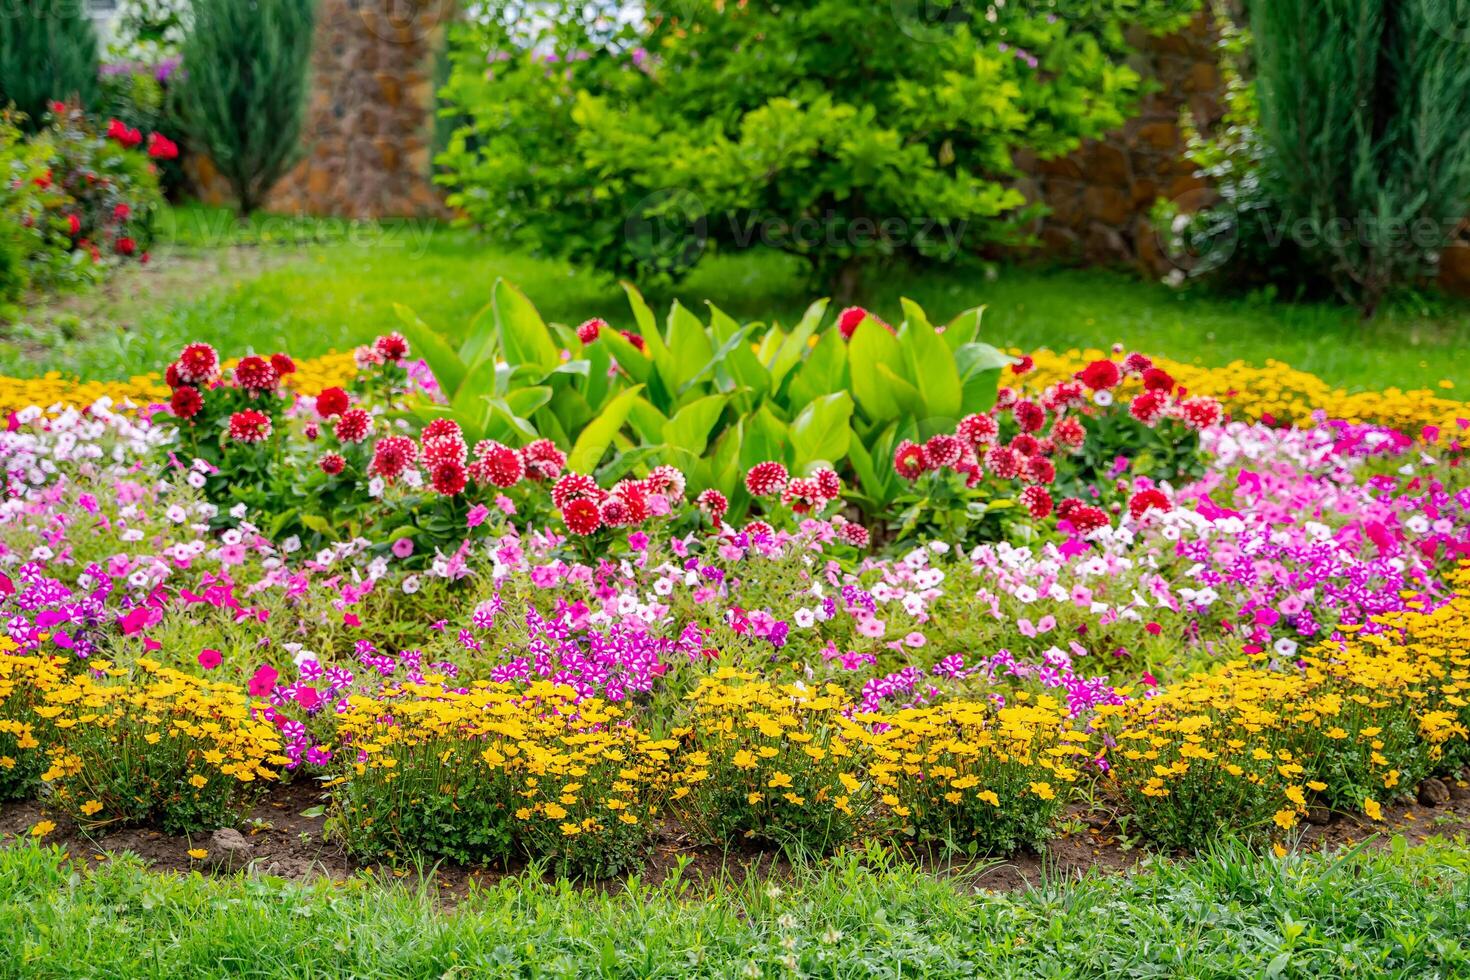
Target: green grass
x,y
308,287
1227,915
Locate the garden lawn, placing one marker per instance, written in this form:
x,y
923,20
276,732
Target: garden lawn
x,y
311,286
1226,914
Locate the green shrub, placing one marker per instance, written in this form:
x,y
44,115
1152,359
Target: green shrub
x,y
48,52
1363,106
244,96
846,133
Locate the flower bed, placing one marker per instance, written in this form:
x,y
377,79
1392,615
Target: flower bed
x,y
1097,593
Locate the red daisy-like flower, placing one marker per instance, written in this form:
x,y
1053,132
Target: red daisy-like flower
x,y
582,516
442,427
1088,518
1100,375
575,486
766,479
1029,416
250,426
497,464
713,503
1146,500
1039,469
1004,462
543,460
1026,445
332,464
589,330
256,374
854,534
829,483
332,401
186,402
391,347
171,375
448,478
1200,413
1069,433
283,364
1157,379
614,512
1063,395
634,497
198,364
910,460
943,450
1148,406
978,430
667,480
1136,363
1037,502
803,496
353,426
444,449
392,455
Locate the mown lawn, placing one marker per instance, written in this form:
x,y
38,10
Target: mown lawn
x,y
309,287
1229,915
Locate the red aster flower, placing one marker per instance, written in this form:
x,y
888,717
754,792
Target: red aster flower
x,y
1037,502
444,449
757,530
1068,507
186,402
1157,379
1148,406
283,364
977,430
1100,375
636,341
829,483
442,427
1069,433
1039,469
1136,363
909,460
1087,518
1029,416
1026,445
943,451
256,374
1004,462
543,460
497,464
353,426
803,496
766,479
391,347
854,534
614,512
1200,413
1023,364
198,364
74,225
575,486
666,480
171,375
332,401
634,497
1005,398
332,464
250,426
849,319
160,147
713,503
392,455
1146,500
588,331
582,516
448,477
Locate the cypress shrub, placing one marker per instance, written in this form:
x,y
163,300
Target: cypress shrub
x,y
48,52
1363,108
243,97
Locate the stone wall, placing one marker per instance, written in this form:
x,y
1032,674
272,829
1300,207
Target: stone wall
x,y
1100,195
369,120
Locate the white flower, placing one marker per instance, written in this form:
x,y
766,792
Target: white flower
x,y
805,618
238,512
291,545
1102,398
1285,646
196,480
411,584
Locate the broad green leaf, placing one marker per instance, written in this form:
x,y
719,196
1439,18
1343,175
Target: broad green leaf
x,y
525,401
524,338
593,441
795,346
658,352
822,430
647,421
964,328
478,385
479,342
930,365
448,369
690,427
689,347
910,402
722,326
822,373
766,437
629,358
980,367
871,346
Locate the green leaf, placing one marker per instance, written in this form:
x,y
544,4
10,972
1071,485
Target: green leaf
x,y
964,328
524,338
690,427
690,349
822,373
479,342
821,431
658,352
871,346
795,345
647,421
929,362
593,441
980,367
766,437
449,370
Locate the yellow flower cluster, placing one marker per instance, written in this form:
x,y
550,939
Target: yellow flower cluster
x,y
496,771
1280,392
163,745
23,681
53,388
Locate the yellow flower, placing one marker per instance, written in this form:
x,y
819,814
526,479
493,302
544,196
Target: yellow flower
x,y
90,807
43,828
198,853
197,781
1285,819
1044,791
1371,807
987,796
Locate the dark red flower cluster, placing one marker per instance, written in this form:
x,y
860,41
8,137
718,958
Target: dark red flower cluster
x,y
713,503
160,147
497,464
256,374
590,330
1146,500
186,402
250,426
198,364
392,456
332,463
585,507
391,347
123,133
1084,517
353,426
766,479
331,402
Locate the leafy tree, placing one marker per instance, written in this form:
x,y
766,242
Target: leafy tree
x,y
243,98
48,52
847,132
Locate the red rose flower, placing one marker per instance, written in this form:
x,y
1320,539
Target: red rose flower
x,y
126,246
160,147
186,402
74,224
120,212
171,375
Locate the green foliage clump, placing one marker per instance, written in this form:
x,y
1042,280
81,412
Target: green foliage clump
x,y
847,134
48,52
244,97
